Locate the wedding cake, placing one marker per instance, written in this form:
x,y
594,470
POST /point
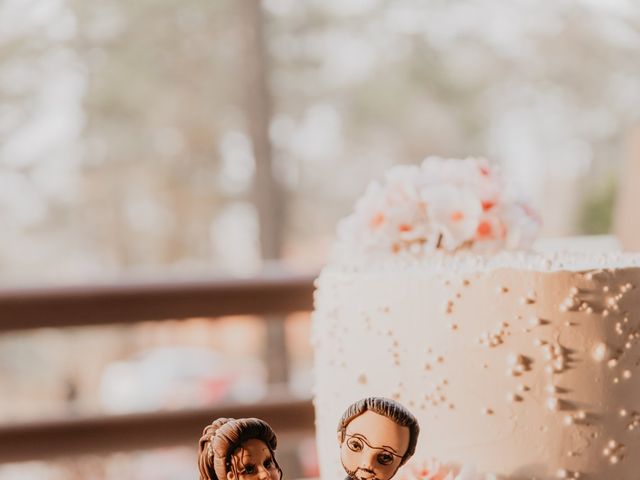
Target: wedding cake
x,y
518,365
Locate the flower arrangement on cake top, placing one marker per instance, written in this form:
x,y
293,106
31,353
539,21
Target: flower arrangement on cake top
x,y
443,204
430,470
434,470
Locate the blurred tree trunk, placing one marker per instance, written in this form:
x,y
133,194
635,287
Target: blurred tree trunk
x,y
268,195
627,219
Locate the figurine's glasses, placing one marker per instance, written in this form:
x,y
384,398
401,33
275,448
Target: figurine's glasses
x,y
357,442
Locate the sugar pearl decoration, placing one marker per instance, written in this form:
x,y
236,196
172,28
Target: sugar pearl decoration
x,y
599,352
528,300
514,359
553,404
512,397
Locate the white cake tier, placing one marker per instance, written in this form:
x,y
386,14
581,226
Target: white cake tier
x,y
523,373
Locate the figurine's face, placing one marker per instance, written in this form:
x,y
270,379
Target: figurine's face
x,y
253,461
373,447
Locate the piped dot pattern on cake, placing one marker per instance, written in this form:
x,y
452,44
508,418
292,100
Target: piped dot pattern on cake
x,y
520,365
565,382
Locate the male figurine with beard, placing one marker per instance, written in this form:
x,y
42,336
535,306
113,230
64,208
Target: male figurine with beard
x,y
377,436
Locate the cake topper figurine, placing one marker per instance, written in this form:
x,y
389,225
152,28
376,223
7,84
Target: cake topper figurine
x,y
238,449
376,436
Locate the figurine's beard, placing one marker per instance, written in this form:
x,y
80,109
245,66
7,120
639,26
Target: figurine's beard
x,y
354,473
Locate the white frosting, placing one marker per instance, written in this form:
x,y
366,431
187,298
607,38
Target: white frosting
x,y
504,367
469,262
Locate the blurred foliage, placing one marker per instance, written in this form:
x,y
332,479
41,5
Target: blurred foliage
x,y
596,215
359,86
148,92
145,161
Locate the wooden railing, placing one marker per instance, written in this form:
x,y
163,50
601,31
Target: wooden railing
x,y
61,307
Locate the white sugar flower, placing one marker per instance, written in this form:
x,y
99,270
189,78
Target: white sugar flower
x,y
432,469
455,213
524,225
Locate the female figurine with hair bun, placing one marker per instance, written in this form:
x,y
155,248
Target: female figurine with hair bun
x,y
238,449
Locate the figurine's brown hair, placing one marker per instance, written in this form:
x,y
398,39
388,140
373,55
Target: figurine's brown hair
x,y
388,408
223,437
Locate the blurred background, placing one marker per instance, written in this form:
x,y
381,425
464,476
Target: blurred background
x,y
184,143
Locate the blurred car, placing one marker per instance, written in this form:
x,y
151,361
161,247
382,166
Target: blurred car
x,y
178,377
